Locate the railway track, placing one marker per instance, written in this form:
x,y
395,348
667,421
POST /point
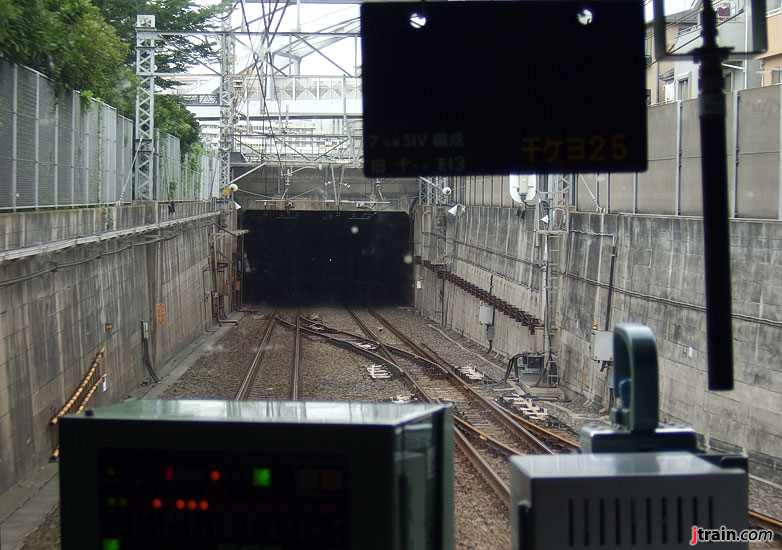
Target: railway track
x,y
484,432
484,429
270,374
476,435
430,391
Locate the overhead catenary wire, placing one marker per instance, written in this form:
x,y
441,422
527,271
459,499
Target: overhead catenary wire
x,y
264,68
268,36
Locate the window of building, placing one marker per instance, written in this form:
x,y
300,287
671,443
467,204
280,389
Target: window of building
x,y
728,82
683,88
776,75
669,91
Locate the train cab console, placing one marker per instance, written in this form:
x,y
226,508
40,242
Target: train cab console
x,y
226,475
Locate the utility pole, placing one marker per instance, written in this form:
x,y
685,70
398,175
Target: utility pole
x,y
711,105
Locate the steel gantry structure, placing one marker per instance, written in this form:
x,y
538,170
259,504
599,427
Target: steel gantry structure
x,y
258,101
146,38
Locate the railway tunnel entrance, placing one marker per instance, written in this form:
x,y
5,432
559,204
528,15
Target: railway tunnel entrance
x,y
312,257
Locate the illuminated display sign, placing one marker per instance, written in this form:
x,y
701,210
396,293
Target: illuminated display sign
x,y
164,499
503,87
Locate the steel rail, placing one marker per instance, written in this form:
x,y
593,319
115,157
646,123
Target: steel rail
x,y
484,468
416,357
546,433
252,370
487,472
501,488
448,369
343,344
296,357
394,349
483,435
388,358
383,349
494,480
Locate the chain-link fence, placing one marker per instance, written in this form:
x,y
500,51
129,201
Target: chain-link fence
x,y
58,150
195,177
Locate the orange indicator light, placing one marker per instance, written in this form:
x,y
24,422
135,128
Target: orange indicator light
x,y
157,503
214,475
192,505
203,505
180,504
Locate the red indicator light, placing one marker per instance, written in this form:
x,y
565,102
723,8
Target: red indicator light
x,y
214,475
203,505
157,504
180,504
169,473
192,505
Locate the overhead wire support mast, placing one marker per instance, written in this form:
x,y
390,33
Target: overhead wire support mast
x,y
226,100
711,105
145,106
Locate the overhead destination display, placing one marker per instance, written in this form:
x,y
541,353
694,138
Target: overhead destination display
x,y
503,87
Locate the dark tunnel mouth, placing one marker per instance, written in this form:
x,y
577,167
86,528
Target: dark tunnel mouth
x,y
327,258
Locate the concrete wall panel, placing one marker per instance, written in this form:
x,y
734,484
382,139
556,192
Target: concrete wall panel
x,y
757,195
53,325
690,194
656,187
622,192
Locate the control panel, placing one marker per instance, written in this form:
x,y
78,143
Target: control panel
x,y
225,475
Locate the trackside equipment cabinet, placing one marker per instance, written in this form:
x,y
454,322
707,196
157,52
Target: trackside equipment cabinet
x,y
227,475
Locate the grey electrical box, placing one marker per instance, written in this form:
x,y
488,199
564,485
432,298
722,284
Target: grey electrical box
x,y
485,314
622,500
602,345
226,475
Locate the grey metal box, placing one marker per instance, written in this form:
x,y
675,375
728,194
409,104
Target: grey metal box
x,y
485,314
602,345
622,500
226,475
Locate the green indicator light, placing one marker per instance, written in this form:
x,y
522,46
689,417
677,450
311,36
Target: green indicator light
x,y
111,471
110,544
262,477
123,501
111,501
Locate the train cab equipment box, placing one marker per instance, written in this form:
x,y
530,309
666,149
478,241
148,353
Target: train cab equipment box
x,y
636,483
226,475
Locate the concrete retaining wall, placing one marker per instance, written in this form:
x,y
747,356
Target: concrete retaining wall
x,y
52,325
658,281
493,248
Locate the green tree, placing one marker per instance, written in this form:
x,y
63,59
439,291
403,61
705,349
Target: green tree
x,y
8,13
173,118
90,46
67,40
174,54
